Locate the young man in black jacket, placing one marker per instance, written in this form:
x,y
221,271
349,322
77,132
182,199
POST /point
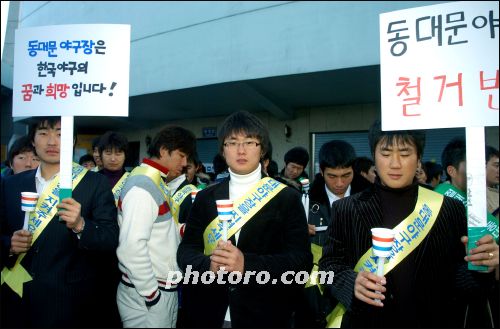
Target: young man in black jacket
x,y
427,271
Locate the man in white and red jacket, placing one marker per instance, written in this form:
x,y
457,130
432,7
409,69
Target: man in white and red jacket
x,y
149,235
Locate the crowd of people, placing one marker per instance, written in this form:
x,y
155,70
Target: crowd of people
x,y
113,254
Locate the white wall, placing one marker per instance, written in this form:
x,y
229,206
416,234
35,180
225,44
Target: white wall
x,y
178,45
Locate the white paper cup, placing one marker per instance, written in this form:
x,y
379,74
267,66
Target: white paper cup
x,y
28,201
305,184
382,239
193,195
225,209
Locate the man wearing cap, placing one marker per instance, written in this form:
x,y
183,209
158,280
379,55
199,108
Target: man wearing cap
x,y
296,160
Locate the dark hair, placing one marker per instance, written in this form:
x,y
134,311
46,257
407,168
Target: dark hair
x,y
193,158
490,152
21,145
173,138
42,122
46,122
453,154
269,154
245,123
86,158
362,164
112,140
272,169
432,170
219,164
336,154
412,137
298,155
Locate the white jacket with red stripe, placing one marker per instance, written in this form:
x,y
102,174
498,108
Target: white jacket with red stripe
x,y
149,237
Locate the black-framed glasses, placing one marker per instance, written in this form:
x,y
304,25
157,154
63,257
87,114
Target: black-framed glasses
x,y
248,145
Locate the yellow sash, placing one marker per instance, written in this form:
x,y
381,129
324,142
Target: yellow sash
x,y
39,219
117,189
244,209
317,252
409,234
155,176
178,198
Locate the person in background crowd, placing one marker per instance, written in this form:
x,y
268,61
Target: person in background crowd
x,y
269,166
296,160
195,174
421,284
21,157
272,169
95,154
492,179
364,174
333,183
433,172
87,161
266,159
274,239
112,150
62,253
180,187
220,168
150,234
454,160
421,174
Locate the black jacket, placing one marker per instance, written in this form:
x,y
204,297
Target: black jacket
x,y
319,208
440,273
65,269
274,240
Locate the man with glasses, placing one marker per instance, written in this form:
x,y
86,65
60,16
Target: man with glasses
x,y
270,237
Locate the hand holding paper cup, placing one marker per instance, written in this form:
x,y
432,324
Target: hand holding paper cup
x,y
225,211
28,204
382,239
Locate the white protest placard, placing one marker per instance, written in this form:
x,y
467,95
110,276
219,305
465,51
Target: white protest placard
x,y
439,69
72,70
68,71
439,66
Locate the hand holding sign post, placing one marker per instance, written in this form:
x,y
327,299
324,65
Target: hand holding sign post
x,y
63,70
428,80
